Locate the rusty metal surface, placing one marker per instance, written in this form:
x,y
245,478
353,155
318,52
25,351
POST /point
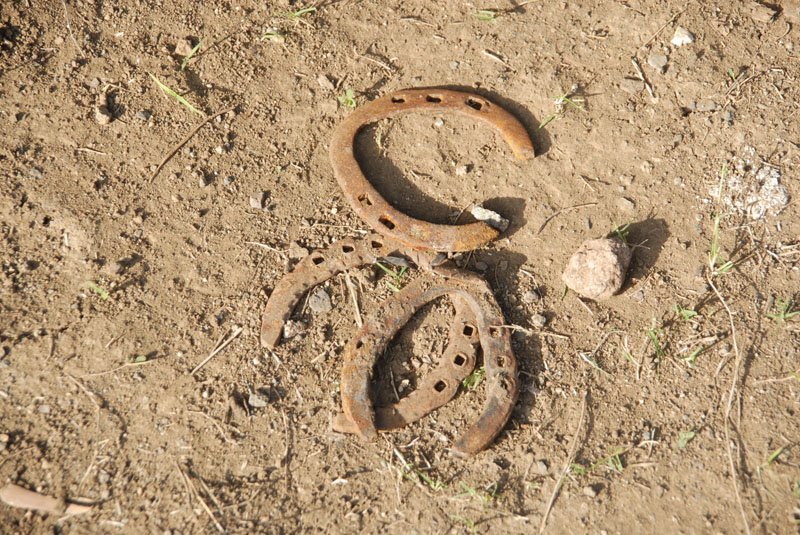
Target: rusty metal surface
x,y
362,353
317,267
375,210
437,387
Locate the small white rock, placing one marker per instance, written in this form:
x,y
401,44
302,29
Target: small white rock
x,y
493,219
682,37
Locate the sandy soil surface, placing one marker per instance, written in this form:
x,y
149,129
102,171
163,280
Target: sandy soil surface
x,y
671,407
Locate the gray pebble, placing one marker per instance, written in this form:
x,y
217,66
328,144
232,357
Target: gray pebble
x,y
625,204
541,468
35,172
320,302
228,180
706,105
631,85
454,65
44,409
728,117
481,266
589,491
657,61
530,297
256,401
144,115
538,321
103,477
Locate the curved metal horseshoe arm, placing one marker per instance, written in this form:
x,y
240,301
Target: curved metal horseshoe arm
x,y
362,353
375,210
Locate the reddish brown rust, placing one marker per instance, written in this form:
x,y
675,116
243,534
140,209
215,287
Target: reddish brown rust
x,y
373,208
317,267
437,387
362,353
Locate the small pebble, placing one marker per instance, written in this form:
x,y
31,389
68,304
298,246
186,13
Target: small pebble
x,y
706,105
320,302
626,205
682,37
481,266
103,477
540,468
530,297
144,115
589,491
257,201
538,321
297,251
35,173
657,61
228,180
256,401
44,409
631,85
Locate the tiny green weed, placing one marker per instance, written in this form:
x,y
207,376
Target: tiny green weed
x,y
623,233
796,489
474,379
177,97
191,53
137,359
467,521
348,99
300,13
691,358
613,461
717,265
275,35
92,286
395,275
732,74
561,102
485,15
773,457
684,313
785,311
653,333
685,437
485,497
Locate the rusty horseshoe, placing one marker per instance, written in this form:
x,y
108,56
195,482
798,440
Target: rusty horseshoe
x,y
375,210
437,387
363,350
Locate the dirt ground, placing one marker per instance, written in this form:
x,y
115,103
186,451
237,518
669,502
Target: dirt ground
x,y
671,407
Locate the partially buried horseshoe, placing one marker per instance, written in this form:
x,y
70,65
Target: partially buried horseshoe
x,y
375,210
362,353
437,387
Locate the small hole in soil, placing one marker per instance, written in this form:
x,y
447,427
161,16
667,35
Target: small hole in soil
x,y
441,385
399,99
359,344
502,361
318,260
376,244
433,98
475,103
386,222
347,248
459,360
468,330
364,199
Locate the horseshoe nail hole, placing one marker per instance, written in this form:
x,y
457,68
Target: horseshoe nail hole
x,y
359,344
468,330
376,244
475,104
441,385
399,99
505,384
317,260
502,361
494,332
433,98
347,248
364,199
386,222
459,360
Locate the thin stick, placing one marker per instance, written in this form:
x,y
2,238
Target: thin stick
x,y
69,27
731,394
222,346
546,221
642,78
126,365
567,464
267,247
353,296
213,421
184,141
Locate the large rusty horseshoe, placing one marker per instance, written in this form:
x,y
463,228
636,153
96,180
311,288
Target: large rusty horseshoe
x,y
373,208
437,387
362,353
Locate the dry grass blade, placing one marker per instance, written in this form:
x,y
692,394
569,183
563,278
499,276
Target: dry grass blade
x,y
222,346
567,464
729,407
